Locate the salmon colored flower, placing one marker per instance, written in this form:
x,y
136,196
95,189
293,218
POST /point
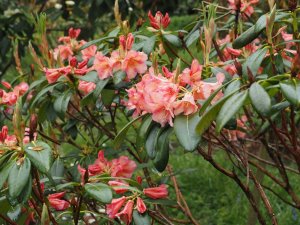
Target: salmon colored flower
x,y
126,214
118,186
86,86
159,21
114,207
191,75
156,192
186,105
141,207
56,201
103,66
122,167
89,52
9,98
63,52
21,88
52,75
134,63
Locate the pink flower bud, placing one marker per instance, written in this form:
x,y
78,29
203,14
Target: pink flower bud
x,y
156,192
129,41
141,207
118,186
139,179
6,84
57,203
126,214
74,33
1,93
113,208
73,61
159,21
122,41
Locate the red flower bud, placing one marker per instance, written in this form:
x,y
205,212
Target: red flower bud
x,y
159,21
57,203
6,84
1,93
157,192
141,207
74,33
73,61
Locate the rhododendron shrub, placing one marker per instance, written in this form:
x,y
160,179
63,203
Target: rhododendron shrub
x,y
87,138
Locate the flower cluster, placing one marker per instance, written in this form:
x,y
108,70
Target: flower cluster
x,y
11,96
165,96
113,209
124,58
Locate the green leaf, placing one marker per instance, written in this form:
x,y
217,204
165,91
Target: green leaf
x,y
213,95
122,134
88,44
184,127
57,169
4,173
26,192
210,115
143,132
107,96
152,140
162,150
230,108
40,154
49,87
100,192
18,178
149,45
173,40
260,99
232,87
141,219
254,61
119,77
190,39
249,35
62,102
91,76
45,219
291,91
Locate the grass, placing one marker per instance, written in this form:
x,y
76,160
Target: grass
x,y
215,199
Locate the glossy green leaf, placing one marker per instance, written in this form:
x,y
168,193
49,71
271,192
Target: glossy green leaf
x,y
162,150
260,99
185,130
210,115
26,192
122,134
99,191
149,45
152,140
40,155
18,177
230,108
141,219
4,172
91,76
291,91
173,40
249,35
254,61
119,77
61,103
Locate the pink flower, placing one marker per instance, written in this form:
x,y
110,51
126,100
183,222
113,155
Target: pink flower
x,y
156,192
202,90
89,52
134,63
113,208
126,214
191,75
10,140
9,98
126,42
122,167
63,52
246,7
86,87
141,207
56,202
103,66
52,75
74,33
118,186
21,88
186,105
159,21
3,133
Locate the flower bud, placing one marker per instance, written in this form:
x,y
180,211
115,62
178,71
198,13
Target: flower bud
x,y
73,61
1,93
32,126
6,84
159,21
74,33
292,5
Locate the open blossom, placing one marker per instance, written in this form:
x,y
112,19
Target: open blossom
x,y
202,90
156,192
186,105
159,20
56,201
120,167
52,75
89,52
134,63
141,207
63,52
103,66
191,75
10,98
86,86
114,207
126,214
